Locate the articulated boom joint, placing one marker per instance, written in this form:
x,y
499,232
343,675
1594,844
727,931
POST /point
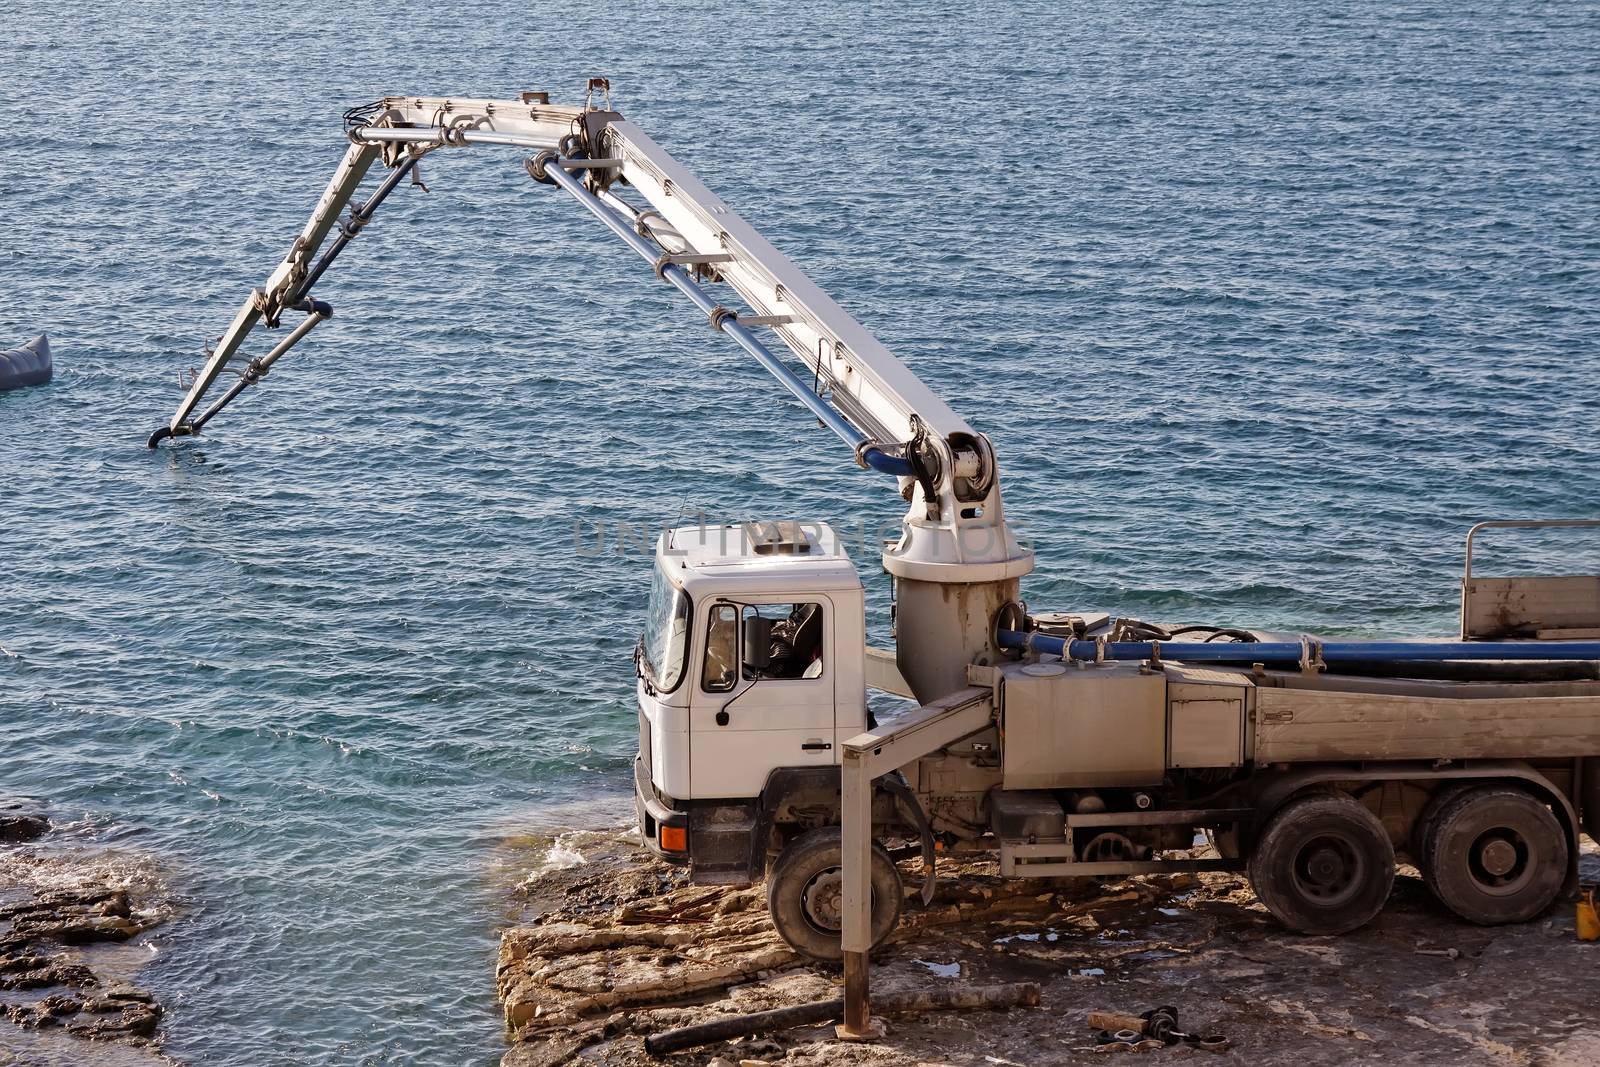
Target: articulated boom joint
x,y
271,302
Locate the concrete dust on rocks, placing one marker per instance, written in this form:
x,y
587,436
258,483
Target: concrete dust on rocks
x,y
621,947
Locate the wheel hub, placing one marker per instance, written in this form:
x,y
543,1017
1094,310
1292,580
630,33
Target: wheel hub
x,y
822,900
1325,866
1498,857
1328,869
1498,860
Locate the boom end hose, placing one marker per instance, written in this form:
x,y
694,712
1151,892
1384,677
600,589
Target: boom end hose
x,y
164,432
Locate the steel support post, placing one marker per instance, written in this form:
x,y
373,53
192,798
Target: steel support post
x,y
867,757
856,860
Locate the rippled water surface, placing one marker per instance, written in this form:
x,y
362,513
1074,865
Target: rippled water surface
x,y
1262,304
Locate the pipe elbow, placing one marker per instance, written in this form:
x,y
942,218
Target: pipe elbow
x,y
879,460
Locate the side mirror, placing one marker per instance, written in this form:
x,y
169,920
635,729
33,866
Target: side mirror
x,y
757,642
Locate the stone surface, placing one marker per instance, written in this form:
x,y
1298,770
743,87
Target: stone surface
x,y
590,973
21,820
43,929
112,1015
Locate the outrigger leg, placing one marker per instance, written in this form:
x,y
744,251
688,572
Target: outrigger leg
x,y
868,757
289,286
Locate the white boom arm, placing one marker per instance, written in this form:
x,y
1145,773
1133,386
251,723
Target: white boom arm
x,y
954,532
956,563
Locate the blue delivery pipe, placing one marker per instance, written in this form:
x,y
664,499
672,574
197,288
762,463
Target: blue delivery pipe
x,y
725,321
1293,651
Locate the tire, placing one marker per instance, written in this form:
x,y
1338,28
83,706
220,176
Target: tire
x,y
1427,819
1495,854
804,891
1323,865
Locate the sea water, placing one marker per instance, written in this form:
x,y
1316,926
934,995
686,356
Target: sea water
x,y
1262,305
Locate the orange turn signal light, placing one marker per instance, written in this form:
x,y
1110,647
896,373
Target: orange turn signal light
x,y
675,838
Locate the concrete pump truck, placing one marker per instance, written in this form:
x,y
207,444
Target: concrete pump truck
x,y
1063,743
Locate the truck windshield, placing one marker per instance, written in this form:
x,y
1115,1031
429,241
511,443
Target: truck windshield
x,y
666,633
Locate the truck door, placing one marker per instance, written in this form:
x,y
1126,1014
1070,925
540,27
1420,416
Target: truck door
x,y
764,694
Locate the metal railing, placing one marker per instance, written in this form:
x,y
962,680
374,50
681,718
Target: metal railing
x,y
1517,524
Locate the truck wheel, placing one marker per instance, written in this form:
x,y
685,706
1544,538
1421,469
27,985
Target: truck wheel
x,y
805,894
1324,864
1427,819
1495,855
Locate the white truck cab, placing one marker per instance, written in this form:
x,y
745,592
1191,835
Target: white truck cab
x,y
751,667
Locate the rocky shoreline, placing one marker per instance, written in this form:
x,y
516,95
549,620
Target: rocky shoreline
x,y
60,915
620,947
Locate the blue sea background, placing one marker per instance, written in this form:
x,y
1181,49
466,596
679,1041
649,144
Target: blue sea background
x,y
1262,304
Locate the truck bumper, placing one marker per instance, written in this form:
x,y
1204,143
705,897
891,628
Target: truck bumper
x,y
665,832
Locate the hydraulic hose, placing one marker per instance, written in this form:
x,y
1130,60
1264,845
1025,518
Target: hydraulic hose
x,y
1296,651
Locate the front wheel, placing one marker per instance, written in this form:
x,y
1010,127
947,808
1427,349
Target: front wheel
x,y
1324,864
805,894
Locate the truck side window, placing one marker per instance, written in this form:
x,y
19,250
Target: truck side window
x,y
795,650
722,638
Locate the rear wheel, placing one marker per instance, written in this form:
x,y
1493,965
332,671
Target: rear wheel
x,y
1428,819
805,894
1323,865
1495,854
